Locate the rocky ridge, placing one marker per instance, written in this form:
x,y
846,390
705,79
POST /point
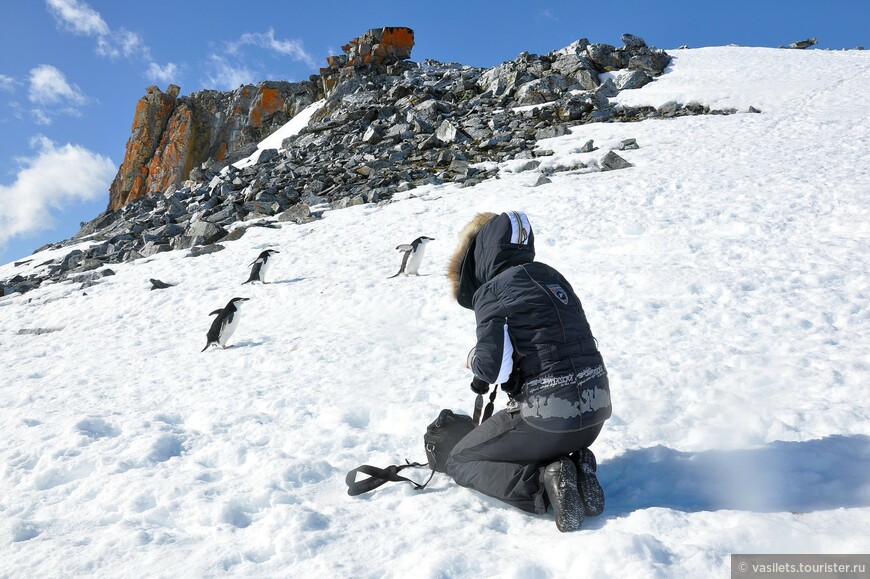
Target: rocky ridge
x,y
385,126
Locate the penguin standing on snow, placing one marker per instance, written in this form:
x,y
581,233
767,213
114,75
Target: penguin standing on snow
x,y
413,256
260,266
225,323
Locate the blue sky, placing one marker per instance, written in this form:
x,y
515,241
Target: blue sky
x,y
71,71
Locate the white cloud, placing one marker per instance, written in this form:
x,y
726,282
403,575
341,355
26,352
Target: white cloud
x,y
292,48
48,86
163,74
227,75
123,43
52,95
78,17
50,180
547,14
7,83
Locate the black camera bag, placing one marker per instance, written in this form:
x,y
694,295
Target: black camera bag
x,y
442,435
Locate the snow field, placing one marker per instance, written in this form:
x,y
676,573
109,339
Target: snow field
x,y
725,276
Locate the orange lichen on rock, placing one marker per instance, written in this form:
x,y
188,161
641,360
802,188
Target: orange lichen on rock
x,y
267,102
387,45
152,113
171,162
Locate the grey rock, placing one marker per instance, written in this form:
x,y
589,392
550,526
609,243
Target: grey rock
x,y
802,44
612,162
527,166
93,276
300,213
152,248
198,250
542,90
550,132
577,68
588,146
72,260
372,135
635,79
632,42
628,144
201,233
156,284
37,331
447,132
541,180
652,62
607,57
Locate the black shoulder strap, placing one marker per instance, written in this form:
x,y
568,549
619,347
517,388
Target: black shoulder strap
x,y
379,476
481,414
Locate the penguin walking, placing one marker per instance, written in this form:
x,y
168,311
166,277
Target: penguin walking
x,y
413,256
224,324
260,266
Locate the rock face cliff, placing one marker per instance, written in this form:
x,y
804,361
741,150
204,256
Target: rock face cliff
x,y
385,125
172,135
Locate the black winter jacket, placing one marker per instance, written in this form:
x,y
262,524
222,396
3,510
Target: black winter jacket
x,y
532,333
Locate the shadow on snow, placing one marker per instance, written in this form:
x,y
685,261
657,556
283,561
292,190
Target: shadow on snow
x,y
813,475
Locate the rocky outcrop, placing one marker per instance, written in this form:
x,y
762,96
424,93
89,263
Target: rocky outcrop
x,y
379,46
172,135
384,128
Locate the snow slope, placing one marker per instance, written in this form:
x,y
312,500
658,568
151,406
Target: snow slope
x,y
727,279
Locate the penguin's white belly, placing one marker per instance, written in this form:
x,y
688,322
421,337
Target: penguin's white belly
x,y
263,269
228,330
414,261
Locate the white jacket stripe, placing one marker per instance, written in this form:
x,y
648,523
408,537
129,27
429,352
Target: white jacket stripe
x,y
507,359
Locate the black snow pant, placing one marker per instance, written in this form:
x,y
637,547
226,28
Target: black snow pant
x,y
504,458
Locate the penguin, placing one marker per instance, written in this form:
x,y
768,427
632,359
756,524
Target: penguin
x,y
224,324
261,265
413,256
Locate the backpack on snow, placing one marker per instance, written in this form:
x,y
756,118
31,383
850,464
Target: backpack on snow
x,y
442,435
440,438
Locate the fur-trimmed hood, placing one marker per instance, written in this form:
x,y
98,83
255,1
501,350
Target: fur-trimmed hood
x,y
488,245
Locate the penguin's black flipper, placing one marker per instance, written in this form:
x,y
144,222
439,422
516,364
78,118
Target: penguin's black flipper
x,y
216,312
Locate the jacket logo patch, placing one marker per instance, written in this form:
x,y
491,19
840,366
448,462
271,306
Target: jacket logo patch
x,y
557,290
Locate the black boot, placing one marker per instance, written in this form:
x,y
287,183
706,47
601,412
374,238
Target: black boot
x,y
560,483
588,486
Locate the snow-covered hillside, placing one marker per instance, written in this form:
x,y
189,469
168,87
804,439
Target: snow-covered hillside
x,y
726,277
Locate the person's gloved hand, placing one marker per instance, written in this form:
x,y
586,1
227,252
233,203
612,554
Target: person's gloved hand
x,y
478,386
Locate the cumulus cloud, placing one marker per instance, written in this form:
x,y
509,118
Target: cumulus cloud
x,y
7,83
48,86
53,178
227,75
79,18
163,74
52,95
291,47
122,43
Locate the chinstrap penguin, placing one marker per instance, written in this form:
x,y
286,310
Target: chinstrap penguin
x,y
225,323
260,266
413,256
